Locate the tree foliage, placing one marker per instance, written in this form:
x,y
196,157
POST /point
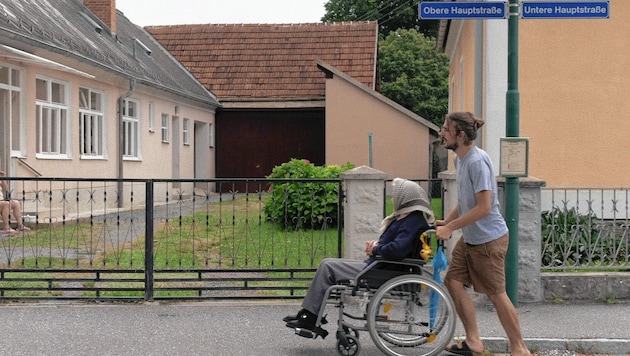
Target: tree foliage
x,y
390,14
410,71
413,74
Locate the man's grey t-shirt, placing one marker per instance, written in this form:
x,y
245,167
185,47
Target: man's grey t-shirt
x,y
475,174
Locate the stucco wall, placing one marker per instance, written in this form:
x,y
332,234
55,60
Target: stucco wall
x,y
573,83
400,144
157,160
572,77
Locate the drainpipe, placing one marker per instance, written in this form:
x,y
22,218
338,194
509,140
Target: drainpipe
x,y
121,141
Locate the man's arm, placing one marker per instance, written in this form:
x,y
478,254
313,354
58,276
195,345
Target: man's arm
x,y
478,212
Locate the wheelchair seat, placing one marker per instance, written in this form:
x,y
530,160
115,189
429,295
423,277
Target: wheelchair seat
x,y
381,271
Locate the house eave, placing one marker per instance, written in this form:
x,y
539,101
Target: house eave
x,y
273,103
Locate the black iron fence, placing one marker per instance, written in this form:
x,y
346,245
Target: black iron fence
x,y
586,229
139,239
145,239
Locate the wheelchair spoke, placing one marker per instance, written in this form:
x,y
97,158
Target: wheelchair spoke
x,y
411,314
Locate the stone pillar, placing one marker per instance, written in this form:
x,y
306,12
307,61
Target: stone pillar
x,y
363,209
530,284
449,202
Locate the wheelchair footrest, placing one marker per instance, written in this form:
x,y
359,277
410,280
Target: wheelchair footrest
x,y
312,334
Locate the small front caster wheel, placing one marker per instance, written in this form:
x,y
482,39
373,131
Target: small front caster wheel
x,y
348,346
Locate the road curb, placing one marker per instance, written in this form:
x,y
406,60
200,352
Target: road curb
x,y
589,346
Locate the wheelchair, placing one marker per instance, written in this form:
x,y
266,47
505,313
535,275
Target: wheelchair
x,y
404,310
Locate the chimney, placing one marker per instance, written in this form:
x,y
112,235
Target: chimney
x,y
104,10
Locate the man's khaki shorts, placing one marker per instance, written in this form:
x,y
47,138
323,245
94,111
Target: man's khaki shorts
x,y
480,266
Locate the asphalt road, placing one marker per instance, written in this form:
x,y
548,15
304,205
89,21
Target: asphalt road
x,y
243,328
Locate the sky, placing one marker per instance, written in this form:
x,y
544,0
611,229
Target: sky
x,y
172,12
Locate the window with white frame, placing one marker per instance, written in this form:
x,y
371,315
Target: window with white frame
x,y
91,123
10,106
53,134
151,117
211,135
131,129
165,128
186,131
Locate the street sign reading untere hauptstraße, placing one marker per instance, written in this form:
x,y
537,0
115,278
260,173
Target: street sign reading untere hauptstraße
x,y
565,10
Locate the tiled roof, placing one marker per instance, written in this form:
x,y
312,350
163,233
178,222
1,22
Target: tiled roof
x,y
271,61
66,31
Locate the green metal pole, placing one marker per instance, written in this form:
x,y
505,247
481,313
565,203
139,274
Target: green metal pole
x,y
512,130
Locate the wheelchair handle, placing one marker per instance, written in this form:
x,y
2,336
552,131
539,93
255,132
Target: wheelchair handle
x,y
431,230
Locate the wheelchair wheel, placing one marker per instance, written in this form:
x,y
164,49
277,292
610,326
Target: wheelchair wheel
x,y
411,315
348,345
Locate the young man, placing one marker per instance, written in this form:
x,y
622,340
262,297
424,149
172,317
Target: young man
x,y
478,259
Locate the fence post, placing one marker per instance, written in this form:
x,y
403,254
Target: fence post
x,y
148,243
530,285
363,210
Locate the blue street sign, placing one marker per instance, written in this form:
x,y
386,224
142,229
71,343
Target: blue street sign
x,y
433,10
565,10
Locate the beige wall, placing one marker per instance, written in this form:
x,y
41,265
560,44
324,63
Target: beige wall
x,y
157,158
400,143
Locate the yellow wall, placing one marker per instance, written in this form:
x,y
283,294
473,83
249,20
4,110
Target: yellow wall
x,y
462,76
462,70
574,78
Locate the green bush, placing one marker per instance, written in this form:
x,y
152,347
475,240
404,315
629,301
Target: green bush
x,y
304,205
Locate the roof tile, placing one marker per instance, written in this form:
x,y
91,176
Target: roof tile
x,y
271,60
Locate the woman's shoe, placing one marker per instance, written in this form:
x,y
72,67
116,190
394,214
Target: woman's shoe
x,y
304,320
290,318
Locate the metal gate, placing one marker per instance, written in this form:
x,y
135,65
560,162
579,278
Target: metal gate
x,y
144,240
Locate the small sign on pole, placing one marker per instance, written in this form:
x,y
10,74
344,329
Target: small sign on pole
x,y
514,157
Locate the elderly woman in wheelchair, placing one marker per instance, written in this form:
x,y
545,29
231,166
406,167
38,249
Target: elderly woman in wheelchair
x,y
400,309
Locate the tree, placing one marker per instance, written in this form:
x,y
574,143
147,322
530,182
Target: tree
x,y
410,71
413,74
390,14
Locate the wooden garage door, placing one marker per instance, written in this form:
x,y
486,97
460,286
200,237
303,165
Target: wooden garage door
x,y
250,143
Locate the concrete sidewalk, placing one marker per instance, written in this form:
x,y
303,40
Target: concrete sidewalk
x,y
248,328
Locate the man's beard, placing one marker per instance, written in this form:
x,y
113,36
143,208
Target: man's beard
x,y
452,147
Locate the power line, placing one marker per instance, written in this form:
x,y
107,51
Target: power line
x,y
384,18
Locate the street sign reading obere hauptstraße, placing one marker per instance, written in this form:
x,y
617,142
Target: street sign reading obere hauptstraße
x,y
565,10
433,10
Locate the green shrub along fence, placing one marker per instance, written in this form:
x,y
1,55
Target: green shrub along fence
x,y
298,204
